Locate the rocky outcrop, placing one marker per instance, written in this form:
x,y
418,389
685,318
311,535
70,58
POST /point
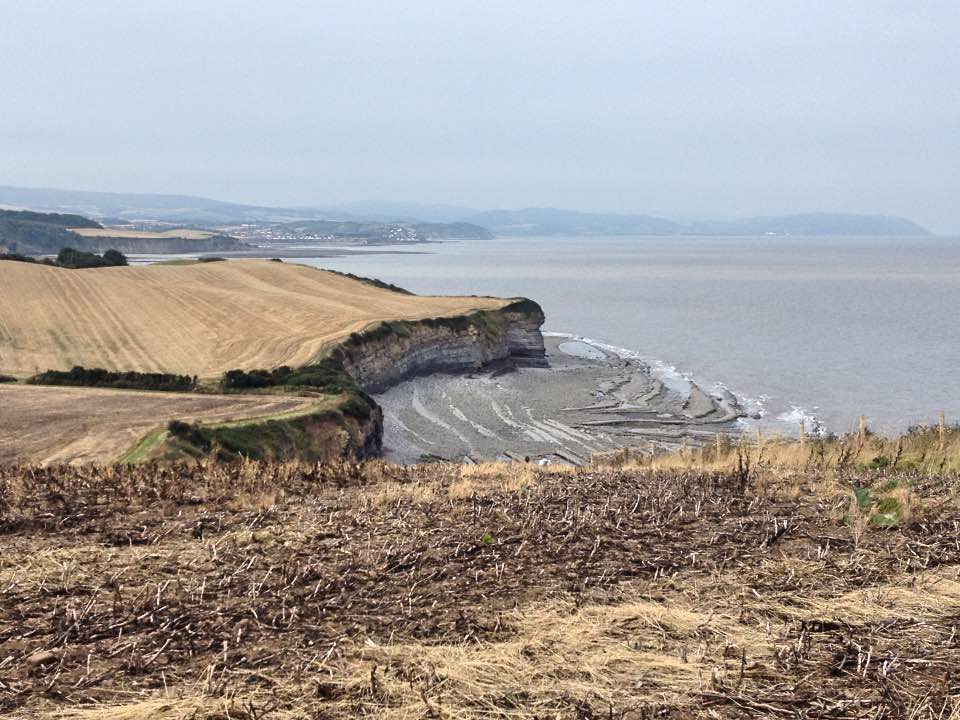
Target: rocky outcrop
x,y
394,351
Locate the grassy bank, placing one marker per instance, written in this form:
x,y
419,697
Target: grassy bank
x,y
335,426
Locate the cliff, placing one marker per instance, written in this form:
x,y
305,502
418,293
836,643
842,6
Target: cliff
x,y
390,352
346,427
351,425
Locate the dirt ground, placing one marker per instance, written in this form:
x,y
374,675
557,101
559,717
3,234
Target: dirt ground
x,y
275,591
45,424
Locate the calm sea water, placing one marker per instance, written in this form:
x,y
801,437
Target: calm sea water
x,y
799,328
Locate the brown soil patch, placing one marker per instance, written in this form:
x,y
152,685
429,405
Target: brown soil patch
x,y
65,424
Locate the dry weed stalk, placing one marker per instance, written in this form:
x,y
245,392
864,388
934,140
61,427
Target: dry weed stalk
x,y
276,591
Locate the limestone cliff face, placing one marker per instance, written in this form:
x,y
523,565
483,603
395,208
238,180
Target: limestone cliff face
x,y
377,358
393,351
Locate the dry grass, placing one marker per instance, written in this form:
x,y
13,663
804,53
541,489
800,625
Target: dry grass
x,y
278,591
200,319
65,424
154,709
455,482
922,449
492,477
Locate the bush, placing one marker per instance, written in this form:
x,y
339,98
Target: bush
x,y
191,434
880,462
98,377
115,258
78,259
17,257
373,281
73,259
328,376
7,378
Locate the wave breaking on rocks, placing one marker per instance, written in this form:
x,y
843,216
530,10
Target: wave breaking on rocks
x,y
587,398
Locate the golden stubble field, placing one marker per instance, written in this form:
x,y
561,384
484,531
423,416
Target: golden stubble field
x,y
50,425
200,319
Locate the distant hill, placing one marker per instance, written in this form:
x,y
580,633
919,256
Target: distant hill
x,y
400,211
437,220
550,221
134,206
377,232
34,233
124,207
812,224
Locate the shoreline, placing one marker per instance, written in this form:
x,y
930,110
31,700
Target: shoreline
x,y
586,400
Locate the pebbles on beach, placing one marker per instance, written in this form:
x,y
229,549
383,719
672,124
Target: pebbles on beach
x,y
587,400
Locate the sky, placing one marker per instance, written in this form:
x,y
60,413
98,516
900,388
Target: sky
x,y
720,108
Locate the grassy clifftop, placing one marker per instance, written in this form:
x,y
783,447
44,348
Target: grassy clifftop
x,y
244,321
199,319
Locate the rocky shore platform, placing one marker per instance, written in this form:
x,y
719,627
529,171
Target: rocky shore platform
x,y
584,399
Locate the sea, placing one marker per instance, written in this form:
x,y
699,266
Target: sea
x,y
822,330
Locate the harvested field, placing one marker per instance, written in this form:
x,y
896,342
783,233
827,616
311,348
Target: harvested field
x,y
68,424
198,319
275,591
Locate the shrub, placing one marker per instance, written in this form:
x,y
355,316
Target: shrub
x,y
191,434
17,257
327,376
373,281
114,258
880,462
98,377
74,259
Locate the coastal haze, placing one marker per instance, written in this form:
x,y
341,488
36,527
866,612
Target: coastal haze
x,y
686,110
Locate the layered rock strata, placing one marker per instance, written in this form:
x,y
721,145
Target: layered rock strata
x,y
390,352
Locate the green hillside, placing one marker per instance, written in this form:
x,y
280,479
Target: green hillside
x,y
23,231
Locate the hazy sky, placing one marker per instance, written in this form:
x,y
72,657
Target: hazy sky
x,y
682,108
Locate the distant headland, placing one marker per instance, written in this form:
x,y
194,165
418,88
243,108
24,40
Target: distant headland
x,y
385,222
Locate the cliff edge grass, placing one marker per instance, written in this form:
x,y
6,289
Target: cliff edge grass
x,y
201,319
921,450
335,427
346,422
